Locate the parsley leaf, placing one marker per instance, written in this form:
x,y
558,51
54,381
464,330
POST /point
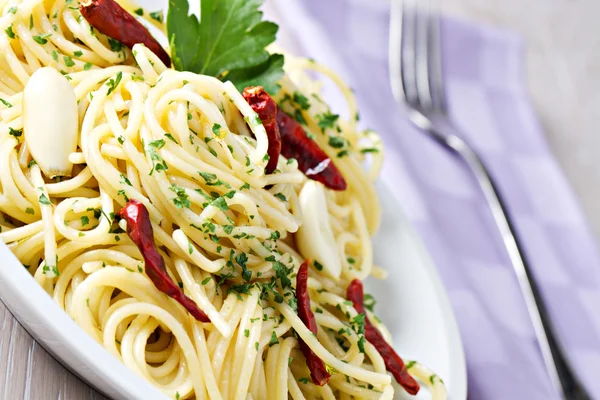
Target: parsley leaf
x,y
266,75
228,41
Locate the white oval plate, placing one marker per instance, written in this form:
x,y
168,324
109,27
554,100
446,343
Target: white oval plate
x,y
412,303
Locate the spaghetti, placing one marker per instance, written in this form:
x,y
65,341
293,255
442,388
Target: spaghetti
x,y
192,152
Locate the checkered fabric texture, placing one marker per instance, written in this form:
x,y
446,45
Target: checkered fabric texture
x,y
488,102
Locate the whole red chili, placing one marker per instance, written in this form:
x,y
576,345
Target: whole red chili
x,y
265,107
108,17
313,161
392,360
287,137
316,366
139,230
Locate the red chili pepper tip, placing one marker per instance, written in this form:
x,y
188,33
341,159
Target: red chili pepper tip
x,y
108,17
393,362
316,366
265,107
139,229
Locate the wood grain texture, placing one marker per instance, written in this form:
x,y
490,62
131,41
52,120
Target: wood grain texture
x,y
28,372
563,63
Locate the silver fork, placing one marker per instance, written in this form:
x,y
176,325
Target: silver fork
x,y
417,81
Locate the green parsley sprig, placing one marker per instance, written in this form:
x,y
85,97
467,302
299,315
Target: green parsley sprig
x,y
228,42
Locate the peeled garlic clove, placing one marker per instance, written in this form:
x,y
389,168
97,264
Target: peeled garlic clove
x,y
50,121
315,237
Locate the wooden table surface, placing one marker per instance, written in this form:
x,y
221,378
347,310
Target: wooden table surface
x,y
563,64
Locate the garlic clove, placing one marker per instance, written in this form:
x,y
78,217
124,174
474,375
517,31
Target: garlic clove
x,y
315,237
50,121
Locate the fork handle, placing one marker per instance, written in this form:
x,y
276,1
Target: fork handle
x,y
561,373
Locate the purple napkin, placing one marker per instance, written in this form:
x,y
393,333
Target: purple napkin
x,y
489,102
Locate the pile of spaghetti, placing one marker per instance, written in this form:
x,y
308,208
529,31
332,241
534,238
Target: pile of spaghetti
x,y
210,227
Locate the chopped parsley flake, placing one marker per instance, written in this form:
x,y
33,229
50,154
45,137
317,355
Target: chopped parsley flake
x,y
44,200
273,340
115,45
361,344
42,39
358,324
369,302
9,32
157,144
220,203
301,100
168,135
369,150
327,120
182,199
114,83
157,16
84,220
282,272
68,61
216,129
29,210
125,180
280,196
336,142
6,103
15,132
318,266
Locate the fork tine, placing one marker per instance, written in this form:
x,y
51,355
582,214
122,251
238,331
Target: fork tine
x,y
436,77
408,52
422,54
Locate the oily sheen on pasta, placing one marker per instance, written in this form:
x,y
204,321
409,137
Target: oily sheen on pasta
x,y
193,152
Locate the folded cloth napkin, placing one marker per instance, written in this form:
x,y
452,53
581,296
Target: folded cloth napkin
x,y
489,103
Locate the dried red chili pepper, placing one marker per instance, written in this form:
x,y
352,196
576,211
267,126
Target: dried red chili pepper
x,y
112,20
392,360
318,371
313,161
289,138
139,230
265,107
